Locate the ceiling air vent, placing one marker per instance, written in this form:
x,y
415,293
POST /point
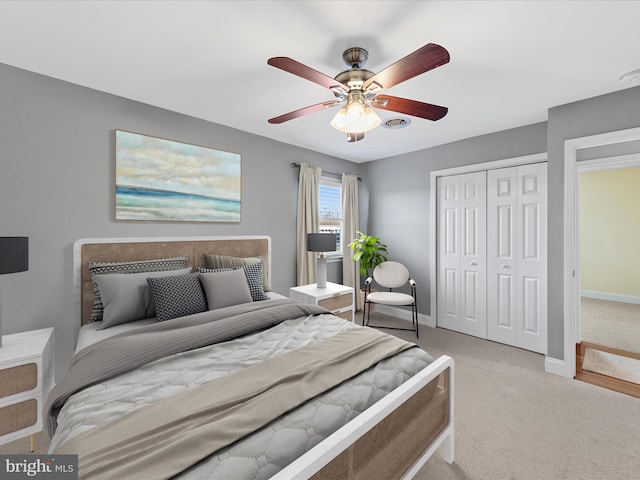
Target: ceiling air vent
x,y
631,77
395,123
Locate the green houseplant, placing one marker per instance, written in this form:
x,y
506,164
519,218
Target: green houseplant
x,y
369,251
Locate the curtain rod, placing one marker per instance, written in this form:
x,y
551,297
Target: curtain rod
x,y
297,165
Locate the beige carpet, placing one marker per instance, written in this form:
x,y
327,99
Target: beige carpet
x,y
612,365
515,422
611,324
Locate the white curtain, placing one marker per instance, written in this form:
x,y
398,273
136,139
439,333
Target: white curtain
x,y
307,221
350,218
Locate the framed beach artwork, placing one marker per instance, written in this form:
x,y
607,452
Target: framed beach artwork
x,y
164,180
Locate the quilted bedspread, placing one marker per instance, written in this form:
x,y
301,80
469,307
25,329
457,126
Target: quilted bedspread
x,y
268,450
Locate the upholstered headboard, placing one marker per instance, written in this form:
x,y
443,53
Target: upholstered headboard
x,y
129,249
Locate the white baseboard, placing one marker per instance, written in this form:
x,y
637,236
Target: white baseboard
x,y
612,297
406,315
555,366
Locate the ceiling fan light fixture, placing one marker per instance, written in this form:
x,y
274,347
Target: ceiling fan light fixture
x,y
355,116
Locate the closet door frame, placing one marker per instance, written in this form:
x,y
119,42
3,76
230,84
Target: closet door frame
x,y
433,210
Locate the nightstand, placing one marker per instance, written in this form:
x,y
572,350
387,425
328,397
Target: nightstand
x,y
26,376
338,299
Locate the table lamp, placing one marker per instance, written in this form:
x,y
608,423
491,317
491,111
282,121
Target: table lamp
x,y
14,257
321,242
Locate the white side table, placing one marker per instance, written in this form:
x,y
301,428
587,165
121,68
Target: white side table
x,y
26,376
338,299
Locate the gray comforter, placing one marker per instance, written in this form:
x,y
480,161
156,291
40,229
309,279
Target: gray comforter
x,y
130,350
270,448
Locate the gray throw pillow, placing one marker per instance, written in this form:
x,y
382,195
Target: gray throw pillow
x,y
135,266
126,296
224,289
254,276
218,262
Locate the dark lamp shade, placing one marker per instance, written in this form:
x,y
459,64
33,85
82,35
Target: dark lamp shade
x,y
321,242
14,254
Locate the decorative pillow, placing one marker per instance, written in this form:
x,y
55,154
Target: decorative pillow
x,y
126,296
177,296
254,279
224,289
218,262
102,268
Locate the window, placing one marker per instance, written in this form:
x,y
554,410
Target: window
x,y
330,209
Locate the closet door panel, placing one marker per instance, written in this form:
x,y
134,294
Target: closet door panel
x,y
502,303
448,253
462,253
474,254
532,257
516,256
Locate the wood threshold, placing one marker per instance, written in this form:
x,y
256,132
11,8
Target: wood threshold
x,y
611,383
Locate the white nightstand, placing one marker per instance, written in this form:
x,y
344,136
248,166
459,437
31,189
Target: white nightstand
x,y
338,299
26,376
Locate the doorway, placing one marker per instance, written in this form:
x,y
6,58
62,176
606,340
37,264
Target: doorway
x,y
609,258
608,350
571,277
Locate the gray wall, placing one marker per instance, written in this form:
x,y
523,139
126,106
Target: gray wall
x,y
399,188
606,113
57,185
57,177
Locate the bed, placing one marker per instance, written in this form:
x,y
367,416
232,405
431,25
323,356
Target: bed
x,y
252,385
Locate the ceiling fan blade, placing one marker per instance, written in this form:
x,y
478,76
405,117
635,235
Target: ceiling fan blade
x,y
304,111
289,65
409,107
422,60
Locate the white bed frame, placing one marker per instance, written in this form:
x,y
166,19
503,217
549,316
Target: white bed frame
x,y
322,454
319,456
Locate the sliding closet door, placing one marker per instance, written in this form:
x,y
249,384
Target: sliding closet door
x,y
462,253
517,256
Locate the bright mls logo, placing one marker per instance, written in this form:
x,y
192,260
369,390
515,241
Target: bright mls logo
x,y
50,467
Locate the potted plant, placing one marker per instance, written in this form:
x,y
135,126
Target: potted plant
x,y
370,252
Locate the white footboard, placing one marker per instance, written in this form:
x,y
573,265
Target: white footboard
x,y
315,459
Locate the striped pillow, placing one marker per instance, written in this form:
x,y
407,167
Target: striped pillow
x,y
254,276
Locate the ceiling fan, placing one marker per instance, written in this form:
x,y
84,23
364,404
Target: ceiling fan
x,y
358,89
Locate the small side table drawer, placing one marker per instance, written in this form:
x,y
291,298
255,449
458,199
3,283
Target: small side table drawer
x,y
347,315
19,379
26,376
337,302
18,416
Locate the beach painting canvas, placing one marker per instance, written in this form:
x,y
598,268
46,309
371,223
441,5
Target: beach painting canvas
x,y
164,180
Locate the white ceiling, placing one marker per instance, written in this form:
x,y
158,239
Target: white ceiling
x,y
510,60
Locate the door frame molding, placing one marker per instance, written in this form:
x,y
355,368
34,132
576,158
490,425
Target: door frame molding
x,y
571,254
433,211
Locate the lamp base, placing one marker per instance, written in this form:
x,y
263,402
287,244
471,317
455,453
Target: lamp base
x,y
321,277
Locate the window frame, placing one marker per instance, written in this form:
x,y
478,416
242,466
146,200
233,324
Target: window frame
x,y
332,182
